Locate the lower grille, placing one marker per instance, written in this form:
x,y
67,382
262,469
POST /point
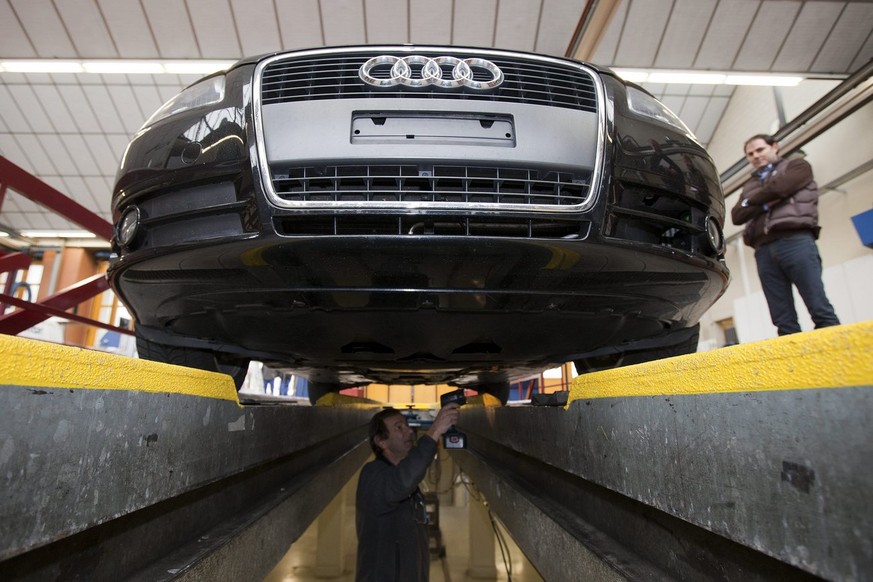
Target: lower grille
x,y
442,226
452,185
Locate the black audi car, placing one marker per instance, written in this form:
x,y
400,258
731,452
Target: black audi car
x,y
415,214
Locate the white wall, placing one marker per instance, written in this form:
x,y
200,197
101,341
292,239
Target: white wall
x,y
848,265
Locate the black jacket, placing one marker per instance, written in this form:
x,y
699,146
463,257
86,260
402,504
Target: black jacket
x,y
390,518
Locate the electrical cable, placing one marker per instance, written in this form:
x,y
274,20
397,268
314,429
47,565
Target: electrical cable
x,y
504,547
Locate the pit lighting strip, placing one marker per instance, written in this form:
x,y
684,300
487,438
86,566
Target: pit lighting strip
x,y
25,362
832,357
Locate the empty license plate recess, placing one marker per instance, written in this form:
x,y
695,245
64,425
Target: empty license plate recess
x,y
391,127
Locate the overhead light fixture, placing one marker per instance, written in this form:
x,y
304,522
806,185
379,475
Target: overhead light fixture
x,y
114,66
124,67
690,77
42,66
58,234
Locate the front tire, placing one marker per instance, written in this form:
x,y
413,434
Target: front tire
x,y
236,368
631,357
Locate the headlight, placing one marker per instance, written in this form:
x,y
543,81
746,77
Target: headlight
x,y
644,104
205,92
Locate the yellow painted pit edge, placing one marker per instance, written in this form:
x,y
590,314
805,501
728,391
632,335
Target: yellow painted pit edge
x,y
26,362
833,357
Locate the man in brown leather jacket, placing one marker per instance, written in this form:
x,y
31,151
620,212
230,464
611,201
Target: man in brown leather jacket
x,y
779,206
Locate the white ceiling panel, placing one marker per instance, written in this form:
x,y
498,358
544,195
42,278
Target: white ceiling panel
x,y
171,29
214,28
40,162
44,27
558,22
641,35
517,24
474,23
103,154
149,100
101,192
57,151
257,26
343,22
131,32
31,108
692,110
84,23
387,21
14,43
13,118
80,154
710,119
770,28
79,107
726,33
10,149
300,23
129,111
26,205
688,22
852,29
104,109
430,21
811,28
56,109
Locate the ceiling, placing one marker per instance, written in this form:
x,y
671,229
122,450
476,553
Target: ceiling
x,y
71,129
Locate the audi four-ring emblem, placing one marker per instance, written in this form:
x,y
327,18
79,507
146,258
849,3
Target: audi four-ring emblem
x,y
420,71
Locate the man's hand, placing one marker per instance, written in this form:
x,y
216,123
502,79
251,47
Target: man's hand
x,y
446,418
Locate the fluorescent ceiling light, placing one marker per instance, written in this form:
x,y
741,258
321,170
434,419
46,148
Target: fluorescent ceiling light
x,y
58,234
771,80
688,77
3,233
123,67
44,66
114,66
678,77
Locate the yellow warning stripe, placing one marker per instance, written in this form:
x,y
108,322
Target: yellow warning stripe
x,y
25,362
833,357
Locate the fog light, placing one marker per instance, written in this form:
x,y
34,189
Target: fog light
x,y
715,235
128,226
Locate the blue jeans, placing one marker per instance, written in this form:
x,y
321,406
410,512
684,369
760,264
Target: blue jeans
x,y
793,259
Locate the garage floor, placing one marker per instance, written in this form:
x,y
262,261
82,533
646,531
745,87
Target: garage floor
x,y
298,565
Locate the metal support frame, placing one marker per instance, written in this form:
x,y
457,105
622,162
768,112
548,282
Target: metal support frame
x,y
32,313
35,190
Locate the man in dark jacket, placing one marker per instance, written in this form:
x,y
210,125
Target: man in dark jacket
x,y
391,518
779,206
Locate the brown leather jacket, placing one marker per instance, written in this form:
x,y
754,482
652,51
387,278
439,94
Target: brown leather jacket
x,y
783,204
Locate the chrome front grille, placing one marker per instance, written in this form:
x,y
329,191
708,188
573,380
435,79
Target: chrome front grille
x,y
453,185
334,75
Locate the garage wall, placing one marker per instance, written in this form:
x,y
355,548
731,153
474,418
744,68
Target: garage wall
x,y
848,265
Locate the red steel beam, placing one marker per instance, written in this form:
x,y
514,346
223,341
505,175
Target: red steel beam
x,y
14,262
34,313
36,190
62,314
